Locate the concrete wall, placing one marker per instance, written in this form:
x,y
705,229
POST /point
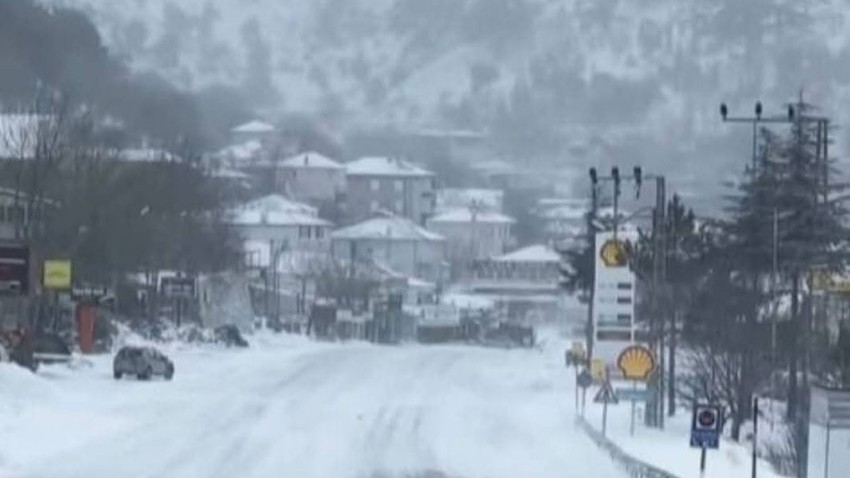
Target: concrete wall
x,y
410,197
311,184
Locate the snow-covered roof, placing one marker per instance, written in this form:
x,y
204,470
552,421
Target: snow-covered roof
x,y
535,253
468,301
275,210
311,159
146,155
466,215
263,218
242,151
227,173
278,203
450,198
255,126
390,228
384,166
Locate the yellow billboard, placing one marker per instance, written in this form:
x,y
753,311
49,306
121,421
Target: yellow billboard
x,y
57,274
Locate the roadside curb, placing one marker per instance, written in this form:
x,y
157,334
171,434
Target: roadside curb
x,y
634,467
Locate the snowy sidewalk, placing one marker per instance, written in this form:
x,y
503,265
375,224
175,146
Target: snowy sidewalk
x,y
669,449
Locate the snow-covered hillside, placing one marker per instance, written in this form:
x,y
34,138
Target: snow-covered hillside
x,y
540,70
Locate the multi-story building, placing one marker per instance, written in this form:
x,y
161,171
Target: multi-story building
x,y
472,235
389,184
272,225
393,242
311,177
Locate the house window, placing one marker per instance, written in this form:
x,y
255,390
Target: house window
x,y
373,206
624,285
303,232
624,300
374,185
398,184
320,232
399,206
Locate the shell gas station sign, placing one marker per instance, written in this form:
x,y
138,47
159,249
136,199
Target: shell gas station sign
x,y
636,362
613,296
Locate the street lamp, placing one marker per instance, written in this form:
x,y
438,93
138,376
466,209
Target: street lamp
x,y
754,120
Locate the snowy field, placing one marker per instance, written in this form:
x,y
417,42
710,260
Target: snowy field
x,y
290,407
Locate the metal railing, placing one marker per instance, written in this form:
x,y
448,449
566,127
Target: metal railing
x,y
634,467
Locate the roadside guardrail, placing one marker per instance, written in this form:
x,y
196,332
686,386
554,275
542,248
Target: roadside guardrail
x,y
634,467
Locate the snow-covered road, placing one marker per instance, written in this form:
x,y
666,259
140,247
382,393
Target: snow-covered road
x,y
286,407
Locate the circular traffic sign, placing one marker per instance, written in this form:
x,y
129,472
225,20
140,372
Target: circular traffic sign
x,y
707,419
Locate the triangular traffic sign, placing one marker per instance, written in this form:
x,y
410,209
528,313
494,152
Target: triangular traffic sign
x,y
606,394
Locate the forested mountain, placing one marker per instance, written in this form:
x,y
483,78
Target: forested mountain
x,y
614,78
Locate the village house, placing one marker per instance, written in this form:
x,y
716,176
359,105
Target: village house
x,y
523,284
389,184
472,235
274,224
311,177
393,242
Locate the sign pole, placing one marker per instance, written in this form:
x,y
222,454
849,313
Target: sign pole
x,y
583,401
632,423
604,417
577,387
702,463
755,433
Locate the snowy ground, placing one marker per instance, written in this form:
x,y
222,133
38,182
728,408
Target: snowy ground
x,y
289,407
669,449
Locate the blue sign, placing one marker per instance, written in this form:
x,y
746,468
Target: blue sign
x,y
706,425
633,394
584,379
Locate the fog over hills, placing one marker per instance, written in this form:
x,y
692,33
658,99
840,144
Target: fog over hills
x,y
588,81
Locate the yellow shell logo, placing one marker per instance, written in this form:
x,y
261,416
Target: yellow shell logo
x,y
613,253
636,362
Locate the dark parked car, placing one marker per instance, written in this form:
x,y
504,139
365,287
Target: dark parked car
x,y
143,362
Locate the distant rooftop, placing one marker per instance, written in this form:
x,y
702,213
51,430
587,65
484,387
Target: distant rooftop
x,y
389,227
311,159
535,253
384,166
255,126
450,198
276,210
466,215
147,155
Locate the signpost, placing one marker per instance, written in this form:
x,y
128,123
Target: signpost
x,y
597,370
583,381
636,363
706,423
605,395
57,274
178,289
87,293
14,269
